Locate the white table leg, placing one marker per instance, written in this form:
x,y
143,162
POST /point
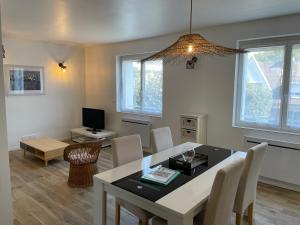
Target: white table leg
x,y
188,220
99,203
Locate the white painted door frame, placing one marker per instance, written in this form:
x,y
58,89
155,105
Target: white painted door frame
x,y
6,217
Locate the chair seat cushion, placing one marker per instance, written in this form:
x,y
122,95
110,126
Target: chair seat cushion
x,y
138,212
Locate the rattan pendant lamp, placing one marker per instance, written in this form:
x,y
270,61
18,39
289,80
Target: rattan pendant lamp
x,y
191,45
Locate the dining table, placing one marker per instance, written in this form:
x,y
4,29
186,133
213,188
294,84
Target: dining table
x,y
180,201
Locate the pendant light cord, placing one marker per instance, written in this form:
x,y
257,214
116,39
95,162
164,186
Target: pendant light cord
x,y
191,16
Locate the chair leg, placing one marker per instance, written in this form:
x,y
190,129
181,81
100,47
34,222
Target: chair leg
x,y
238,219
250,214
118,214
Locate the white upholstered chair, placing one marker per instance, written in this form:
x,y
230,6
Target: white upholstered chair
x,y
221,200
246,193
162,139
127,149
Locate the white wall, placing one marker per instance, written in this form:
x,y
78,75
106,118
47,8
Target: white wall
x,y
207,89
5,186
54,113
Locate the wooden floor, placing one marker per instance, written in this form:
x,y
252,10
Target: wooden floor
x,y
41,196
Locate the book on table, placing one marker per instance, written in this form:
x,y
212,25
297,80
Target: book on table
x,y
160,175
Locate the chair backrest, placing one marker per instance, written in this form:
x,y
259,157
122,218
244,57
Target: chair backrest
x,y
87,152
162,139
246,193
221,199
126,149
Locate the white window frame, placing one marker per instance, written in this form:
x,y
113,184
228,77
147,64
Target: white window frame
x,y
288,42
119,85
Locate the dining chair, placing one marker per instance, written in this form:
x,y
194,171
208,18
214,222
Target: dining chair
x,y
246,193
127,149
162,139
221,199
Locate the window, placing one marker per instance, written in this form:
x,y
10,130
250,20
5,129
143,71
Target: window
x,y
293,109
267,90
140,86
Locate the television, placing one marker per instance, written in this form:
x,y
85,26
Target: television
x,y
94,119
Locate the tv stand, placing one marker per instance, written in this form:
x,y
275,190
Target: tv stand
x,y
94,131
84,134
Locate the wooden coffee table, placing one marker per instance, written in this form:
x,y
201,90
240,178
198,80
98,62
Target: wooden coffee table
x,y
44,148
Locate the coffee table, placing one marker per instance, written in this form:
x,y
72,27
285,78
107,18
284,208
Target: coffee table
x,y
44,148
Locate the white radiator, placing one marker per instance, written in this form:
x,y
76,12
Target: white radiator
x,y
141,127
282,161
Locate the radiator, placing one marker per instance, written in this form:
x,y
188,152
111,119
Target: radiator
x,y
282,160
141,127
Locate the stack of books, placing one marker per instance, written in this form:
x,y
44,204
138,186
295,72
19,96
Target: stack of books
x,y
160,175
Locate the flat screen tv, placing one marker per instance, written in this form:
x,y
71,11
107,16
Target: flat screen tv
x,y
94,119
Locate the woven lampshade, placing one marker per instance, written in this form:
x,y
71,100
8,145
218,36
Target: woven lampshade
x,y
191,45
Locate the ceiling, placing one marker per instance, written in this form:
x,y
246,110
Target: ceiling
x,y
106,21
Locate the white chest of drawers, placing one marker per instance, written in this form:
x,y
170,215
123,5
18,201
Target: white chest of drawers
x,y
193,128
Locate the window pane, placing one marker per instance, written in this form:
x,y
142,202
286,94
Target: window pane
x,y
262,85
293,117
153,86
131,85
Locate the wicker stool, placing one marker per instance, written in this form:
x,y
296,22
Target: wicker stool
x,y
83,163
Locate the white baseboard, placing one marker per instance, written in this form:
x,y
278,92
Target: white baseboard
x,y
14,148
281,184
64,138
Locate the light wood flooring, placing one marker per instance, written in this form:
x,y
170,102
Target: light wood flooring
x,y
41,196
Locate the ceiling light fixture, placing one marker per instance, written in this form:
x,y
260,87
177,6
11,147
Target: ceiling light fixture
x,y
62,66
190,45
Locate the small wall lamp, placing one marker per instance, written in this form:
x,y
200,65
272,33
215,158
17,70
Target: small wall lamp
x,y
3,52
190,64
62,66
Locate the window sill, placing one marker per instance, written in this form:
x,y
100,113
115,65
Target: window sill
x,y
141,114
278,131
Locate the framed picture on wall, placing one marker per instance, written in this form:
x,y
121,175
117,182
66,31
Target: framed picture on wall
x,y
24,80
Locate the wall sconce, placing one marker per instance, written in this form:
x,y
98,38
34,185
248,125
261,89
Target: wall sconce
x,y
62,66
3,52
190,64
